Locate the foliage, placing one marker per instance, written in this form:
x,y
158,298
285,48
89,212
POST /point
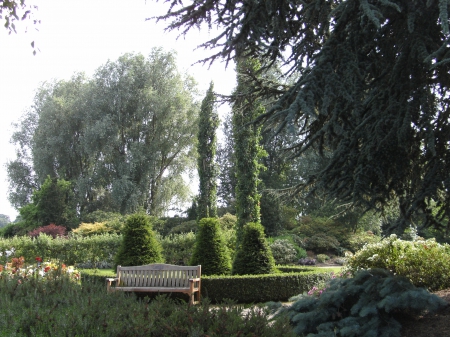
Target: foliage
x,y
164,225
261,288
113,221
51,230
247,150
321,258
226,162
4,220
52,203
253,255
283,251
13,11
228,221
210,249
294,240
86,229
206,166
29,309
358,240
306,261
369,87
321,243
310,226
364,305
38,270
139,244
95,251
425,262
178,248
122,138
185,227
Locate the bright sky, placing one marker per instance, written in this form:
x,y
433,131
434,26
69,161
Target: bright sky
x,y
82,35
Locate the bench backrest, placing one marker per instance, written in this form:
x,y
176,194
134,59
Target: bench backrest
x,y
157,275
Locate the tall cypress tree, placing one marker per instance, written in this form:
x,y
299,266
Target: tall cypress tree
x,y
207,171
247,149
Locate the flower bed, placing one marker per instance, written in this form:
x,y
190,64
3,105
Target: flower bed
x,y
52,269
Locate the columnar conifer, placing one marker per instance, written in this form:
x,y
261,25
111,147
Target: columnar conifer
x,y
208,123
247,149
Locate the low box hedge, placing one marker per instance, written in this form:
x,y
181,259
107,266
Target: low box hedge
x,y
245,288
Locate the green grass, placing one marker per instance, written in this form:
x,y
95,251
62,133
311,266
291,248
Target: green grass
x,y
98,272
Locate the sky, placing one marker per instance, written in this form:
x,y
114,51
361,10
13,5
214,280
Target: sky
x,y
80,36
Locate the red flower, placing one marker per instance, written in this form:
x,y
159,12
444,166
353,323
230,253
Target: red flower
x,y
47,269
63,266
38,259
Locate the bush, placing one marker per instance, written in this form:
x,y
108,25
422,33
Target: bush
x,y
321,258
51,230
253,255
139,245
28,309
185,227
323,226
425,262
321,243
87,229
283,251
358,240
306,261
210,250
360,306
178,248
228,221
95,251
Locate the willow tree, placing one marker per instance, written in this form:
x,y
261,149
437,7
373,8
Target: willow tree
x,y
207,170
372,88
123,138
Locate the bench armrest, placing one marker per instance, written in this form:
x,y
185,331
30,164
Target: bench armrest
x,y
109,282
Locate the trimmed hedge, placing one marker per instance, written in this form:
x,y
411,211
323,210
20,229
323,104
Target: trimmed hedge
x,y
246,288
260,288
95,251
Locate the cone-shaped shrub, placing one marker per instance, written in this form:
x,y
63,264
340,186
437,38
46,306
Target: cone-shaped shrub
x,y
139,245
210,249
253,256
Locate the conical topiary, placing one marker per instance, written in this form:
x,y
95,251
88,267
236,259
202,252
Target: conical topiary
x,y
139,245
253,256
210,250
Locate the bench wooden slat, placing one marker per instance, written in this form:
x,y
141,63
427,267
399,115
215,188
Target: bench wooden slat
x,y
158,278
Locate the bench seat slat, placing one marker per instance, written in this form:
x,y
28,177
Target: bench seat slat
x,y
157,278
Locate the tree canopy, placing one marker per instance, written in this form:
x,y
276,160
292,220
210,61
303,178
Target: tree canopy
x,y
372,90
122,138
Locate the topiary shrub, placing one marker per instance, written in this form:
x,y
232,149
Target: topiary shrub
x,y
253,255
365,305
210,249
51,230
283,251
425,262
139,245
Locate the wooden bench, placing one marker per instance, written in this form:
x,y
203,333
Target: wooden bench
x,y
158,278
